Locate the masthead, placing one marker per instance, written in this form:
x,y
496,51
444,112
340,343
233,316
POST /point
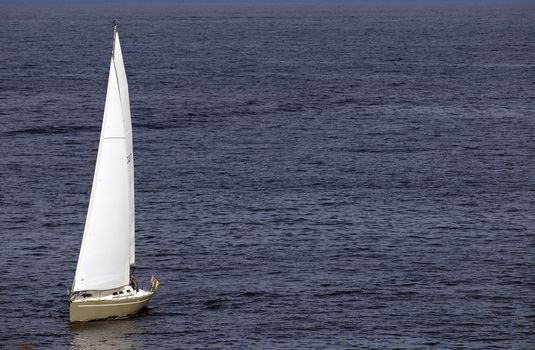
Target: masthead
x,y
114,24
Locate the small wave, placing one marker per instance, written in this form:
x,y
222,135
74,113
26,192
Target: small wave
x,y
339,293
153,126
252,294
54,130
215,303
257,295
344,101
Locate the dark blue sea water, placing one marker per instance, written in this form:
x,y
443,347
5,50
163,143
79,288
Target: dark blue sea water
x,y
307,178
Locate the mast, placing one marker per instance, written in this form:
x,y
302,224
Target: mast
x,y
117,58
114,25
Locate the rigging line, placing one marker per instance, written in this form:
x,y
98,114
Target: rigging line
x,y
115,66
114,24
118,85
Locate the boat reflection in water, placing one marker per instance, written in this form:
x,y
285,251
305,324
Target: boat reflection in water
x,y
108,334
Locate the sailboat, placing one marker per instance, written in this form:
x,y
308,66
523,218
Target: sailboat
x,y
104,285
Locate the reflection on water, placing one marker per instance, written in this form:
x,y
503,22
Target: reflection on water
x,y
112,334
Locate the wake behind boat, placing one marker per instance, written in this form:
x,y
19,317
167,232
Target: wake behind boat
x,y
104,285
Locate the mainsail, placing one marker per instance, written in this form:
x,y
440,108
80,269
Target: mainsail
x,y
125,101
107,250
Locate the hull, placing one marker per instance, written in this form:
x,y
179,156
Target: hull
x,y
97,308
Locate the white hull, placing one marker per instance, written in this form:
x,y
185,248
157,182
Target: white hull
x,y
99,305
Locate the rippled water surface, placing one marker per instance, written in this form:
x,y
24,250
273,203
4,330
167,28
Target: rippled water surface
x,y
305,178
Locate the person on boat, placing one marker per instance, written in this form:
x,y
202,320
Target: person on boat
x,y
133,282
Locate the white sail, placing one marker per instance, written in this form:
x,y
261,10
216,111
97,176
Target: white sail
x,y
104,260
125,100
